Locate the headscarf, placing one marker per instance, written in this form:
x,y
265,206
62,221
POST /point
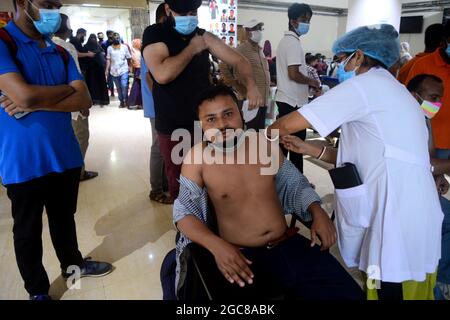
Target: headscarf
x,y
93,45
136,53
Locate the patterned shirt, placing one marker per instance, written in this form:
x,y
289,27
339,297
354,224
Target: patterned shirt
x,y
294,192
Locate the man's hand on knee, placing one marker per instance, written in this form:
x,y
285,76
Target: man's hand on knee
x,y
233,264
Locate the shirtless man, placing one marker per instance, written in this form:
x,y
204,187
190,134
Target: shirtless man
x,y
250,209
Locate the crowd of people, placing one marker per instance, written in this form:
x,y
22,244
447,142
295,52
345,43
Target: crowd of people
x,y
392,221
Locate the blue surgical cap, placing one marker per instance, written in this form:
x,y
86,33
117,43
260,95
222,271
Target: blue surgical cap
x,y
380,42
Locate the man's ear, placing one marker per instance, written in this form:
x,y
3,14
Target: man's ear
x,y
359,58
167,9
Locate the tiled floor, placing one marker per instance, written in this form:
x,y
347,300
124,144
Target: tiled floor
x,y
116,221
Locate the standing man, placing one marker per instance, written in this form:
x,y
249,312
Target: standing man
x,y
80,122
118,64
83,54
101,38
40,159
260,67
106,44
438,64
292,73
434,39
177,55
158,179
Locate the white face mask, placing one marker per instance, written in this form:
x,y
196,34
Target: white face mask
x,y
256,36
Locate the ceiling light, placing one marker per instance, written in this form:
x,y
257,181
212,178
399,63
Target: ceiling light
x,y
90,5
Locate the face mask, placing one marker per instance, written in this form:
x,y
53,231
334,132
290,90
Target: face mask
x,y
430,108
345,75
229,145
186,24
116,42
256,36
49,21
302,28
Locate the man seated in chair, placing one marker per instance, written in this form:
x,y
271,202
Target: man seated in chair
x,y
250,191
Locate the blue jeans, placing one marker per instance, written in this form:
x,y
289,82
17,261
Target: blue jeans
x,y
121,83
444,263
443,153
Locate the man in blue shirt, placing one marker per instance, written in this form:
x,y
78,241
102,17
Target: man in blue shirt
x,y
40,158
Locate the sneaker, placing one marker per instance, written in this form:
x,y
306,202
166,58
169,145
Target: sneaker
x,y
40,297
92,269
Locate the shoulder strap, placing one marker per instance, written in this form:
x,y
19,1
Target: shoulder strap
x,y
64,54
12,47
9,41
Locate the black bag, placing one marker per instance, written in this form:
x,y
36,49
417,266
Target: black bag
x,y
345,177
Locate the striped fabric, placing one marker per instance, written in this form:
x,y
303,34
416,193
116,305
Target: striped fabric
x,y
294,192
260,67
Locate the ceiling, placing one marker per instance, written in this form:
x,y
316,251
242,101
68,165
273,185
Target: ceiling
x,y
342,4
93,14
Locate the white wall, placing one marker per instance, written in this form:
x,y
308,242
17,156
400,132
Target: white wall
x,y
121,24
417,41
369,12
320,38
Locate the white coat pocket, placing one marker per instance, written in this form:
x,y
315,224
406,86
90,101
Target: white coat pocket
x,y
354,206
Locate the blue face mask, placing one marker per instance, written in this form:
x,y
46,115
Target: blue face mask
x,y
302,28
49,21
186,24
345,75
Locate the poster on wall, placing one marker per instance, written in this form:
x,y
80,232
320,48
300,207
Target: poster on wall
x,y
5,17
224,20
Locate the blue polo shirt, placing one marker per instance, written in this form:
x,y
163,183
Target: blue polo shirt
x,y
42,142
147,96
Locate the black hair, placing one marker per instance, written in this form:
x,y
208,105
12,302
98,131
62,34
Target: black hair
x,y
415,83
109,32
63,28
15,5
310,58
81,30
160,12
447,29
370,62
434,36
298,10
213,92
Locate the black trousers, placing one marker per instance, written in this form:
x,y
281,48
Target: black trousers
x,y
259,122
295,158
57,193
291,270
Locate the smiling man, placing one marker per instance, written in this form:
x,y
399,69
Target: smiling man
x,y
254,245
40,159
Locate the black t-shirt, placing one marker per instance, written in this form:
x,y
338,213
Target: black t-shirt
x,y
175,102
79,46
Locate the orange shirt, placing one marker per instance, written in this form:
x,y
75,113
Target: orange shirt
x,y
435,64
404,71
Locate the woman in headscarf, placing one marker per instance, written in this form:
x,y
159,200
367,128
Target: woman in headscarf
x,y
135,99
95,75
388,214
405,56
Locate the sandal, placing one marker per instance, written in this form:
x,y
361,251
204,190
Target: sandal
x,y
160,197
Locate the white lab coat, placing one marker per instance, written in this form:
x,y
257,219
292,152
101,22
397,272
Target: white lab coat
x,y
390,227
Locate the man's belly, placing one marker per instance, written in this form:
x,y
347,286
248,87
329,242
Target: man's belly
x,y
251,227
